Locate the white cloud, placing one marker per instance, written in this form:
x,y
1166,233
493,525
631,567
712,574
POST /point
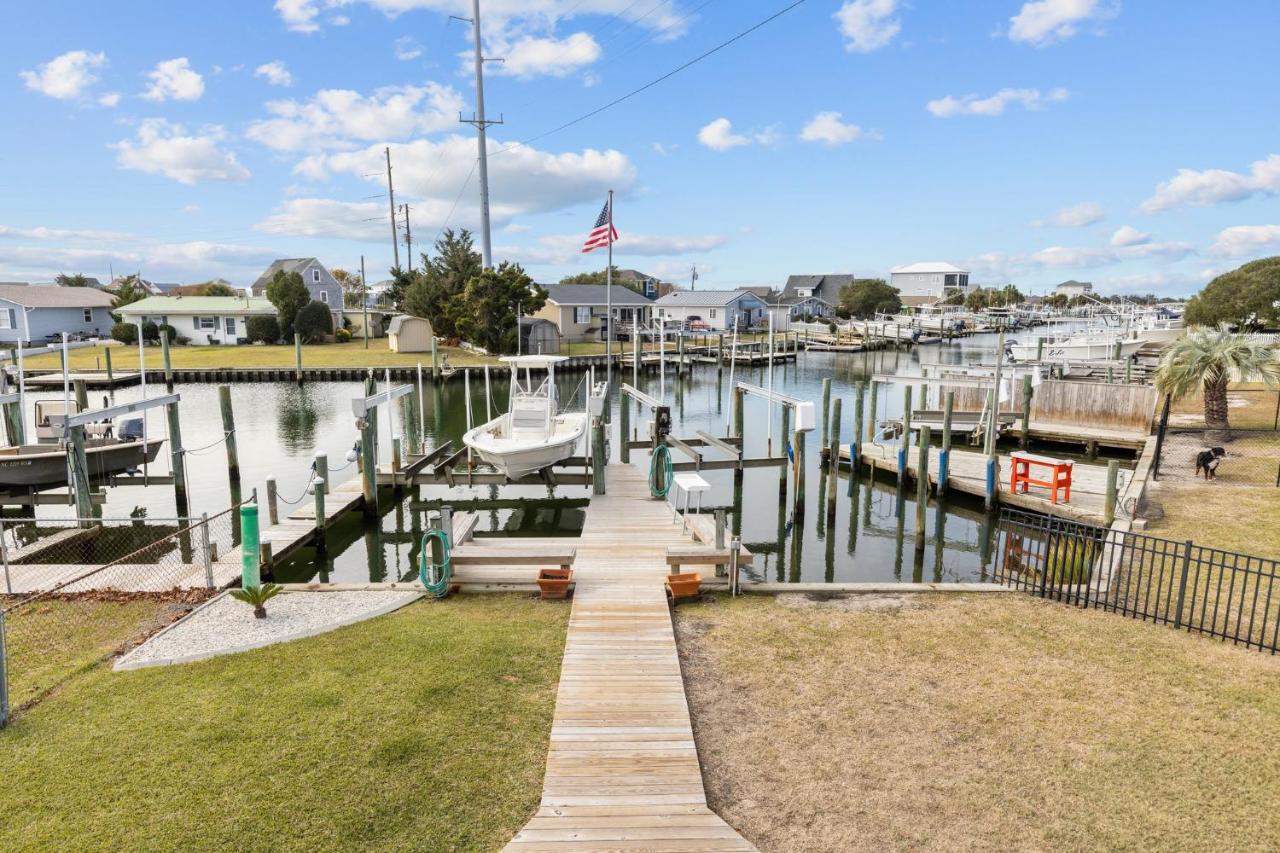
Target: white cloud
x,y
274,73
1127,235
190,261
299,15
1075,216
663,150
994,105
1043,22
827,127
1190,188
667,19
1241,240
407,49
336,117
567,248
66,76
432,175
174,80
1085,257
531,56
10,232
718,135
322,217
109,99
161,148
868,25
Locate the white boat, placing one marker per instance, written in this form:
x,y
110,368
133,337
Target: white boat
x,y
1081,347
531,435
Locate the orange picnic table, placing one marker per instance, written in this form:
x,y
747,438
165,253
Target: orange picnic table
x,y
1058,477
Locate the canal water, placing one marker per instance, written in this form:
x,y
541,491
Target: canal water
x,y
280,426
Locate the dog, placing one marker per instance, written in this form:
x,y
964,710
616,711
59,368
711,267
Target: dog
x,y
1207,461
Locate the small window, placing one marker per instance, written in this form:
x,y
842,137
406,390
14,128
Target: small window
x,y
88,315
207,323
712,313
582,314
315,276
324,297
6,319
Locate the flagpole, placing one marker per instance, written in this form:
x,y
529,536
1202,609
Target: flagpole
x,y
608,309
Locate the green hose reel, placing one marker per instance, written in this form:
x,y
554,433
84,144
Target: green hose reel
x,y
435,576
660,461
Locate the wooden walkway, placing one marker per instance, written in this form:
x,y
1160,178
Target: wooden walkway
x,y
622,769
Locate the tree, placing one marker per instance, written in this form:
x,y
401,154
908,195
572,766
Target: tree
x,y
129,290
353,290
125,333
208,288
1207,360
485,313
431,292
75,280
596,277
977,299
262,329
313,322
863,297
1247,297
288,293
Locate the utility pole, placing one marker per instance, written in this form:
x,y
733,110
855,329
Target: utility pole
x,y
391,194
408,236
693,278
364,301
481,123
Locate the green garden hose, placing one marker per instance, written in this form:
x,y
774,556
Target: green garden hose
x,y
661,456
440,571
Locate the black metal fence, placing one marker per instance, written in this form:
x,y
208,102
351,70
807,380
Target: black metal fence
x,y
1234,597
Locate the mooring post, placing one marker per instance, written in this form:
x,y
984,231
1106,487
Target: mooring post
x,y
80,473
317,487
1109,503
176,461
922,483
168,364
229,436
322,468
414,434
597,457
111,376
992,489
395,460
435,360
369,454
798,442
718,515
855,441
273,514
833,471
250,565
82,394
871,411
944,455
1026,411
1039,349
1128,371
782,469
906,435
826,415
737,412
4,674
624,428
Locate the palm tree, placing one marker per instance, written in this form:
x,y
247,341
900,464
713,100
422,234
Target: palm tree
x,y
1208,359
258,596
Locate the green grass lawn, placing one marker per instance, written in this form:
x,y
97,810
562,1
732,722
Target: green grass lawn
x,y
351,354
426,729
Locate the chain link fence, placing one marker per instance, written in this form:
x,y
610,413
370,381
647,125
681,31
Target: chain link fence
x,y
1247,457
76,591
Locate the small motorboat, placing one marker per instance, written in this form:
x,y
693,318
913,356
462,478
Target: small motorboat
x,y
532,435
118,450
1080,347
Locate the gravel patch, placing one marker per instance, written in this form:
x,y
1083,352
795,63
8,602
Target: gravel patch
x,y
225,626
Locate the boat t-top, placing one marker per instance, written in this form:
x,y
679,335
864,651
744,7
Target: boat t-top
x,y
531,435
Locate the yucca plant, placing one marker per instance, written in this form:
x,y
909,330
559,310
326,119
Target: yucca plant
x,y
1208,360
257,597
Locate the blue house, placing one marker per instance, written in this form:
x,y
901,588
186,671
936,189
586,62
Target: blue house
x,y
322,286
36,312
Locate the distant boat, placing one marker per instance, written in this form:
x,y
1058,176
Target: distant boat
x,y
531,435
1080,347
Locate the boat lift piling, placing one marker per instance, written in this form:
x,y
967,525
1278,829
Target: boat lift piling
x,y
944,455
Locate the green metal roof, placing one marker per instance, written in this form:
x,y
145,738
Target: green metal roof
x,y
221,305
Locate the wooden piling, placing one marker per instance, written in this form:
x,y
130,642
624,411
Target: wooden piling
x,y
229,434
111,376
176,461
833,454
168,363
826,414
856,439
322,468
782,469
435,360
273,509
922,483
798,444
396,461
82,394
1026,411
412,429
598,460
80,474
906,435
624,428
318,487
871,411
944,455
1109,501
369,454
297,357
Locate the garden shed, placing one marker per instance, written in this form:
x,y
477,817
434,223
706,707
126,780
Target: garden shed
x,y
409,334
539,336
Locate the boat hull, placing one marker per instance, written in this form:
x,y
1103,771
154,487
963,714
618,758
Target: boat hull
x,y
517,459
35,466
1082,351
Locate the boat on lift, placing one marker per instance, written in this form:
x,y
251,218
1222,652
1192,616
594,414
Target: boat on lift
x,y
532,435
110,448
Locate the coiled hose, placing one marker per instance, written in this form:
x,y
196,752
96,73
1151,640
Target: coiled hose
x,y
661,456
435,576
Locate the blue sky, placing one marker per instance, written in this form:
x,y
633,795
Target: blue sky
x,y
1131,144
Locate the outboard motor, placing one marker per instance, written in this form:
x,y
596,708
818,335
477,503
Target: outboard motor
x,y
130,429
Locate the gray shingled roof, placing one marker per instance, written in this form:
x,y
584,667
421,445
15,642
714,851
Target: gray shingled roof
x,y
54,296
286,264
825,287
699,298
592,294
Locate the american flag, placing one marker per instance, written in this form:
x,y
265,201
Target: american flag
x,y
603,233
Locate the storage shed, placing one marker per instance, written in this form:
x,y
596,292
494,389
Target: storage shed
x,y
409,334
539,336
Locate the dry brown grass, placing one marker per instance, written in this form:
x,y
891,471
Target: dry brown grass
x,y
1216,515
1250,406
994,722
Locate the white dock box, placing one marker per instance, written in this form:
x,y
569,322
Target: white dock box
x,y
806,418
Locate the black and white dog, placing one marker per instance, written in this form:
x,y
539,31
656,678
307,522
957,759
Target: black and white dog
x,y
1208,461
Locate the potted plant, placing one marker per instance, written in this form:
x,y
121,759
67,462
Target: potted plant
x,y
257,597
554,583
684,585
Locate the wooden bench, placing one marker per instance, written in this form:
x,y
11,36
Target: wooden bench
x,y
481,555
1020,478
704,555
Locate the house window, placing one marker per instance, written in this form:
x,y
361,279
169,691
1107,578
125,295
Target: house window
x,y
231,326
206,323
6,319
88,315
582,314
315,276
324,297
711,314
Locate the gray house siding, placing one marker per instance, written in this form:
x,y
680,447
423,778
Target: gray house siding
x,y
18,325
324,288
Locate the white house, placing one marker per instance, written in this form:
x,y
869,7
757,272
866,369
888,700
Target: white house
x,y
1071,288
714,310
203,320
929,278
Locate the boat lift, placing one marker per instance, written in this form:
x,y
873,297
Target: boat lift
x,y
365,410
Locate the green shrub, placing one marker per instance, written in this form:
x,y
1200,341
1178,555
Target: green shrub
x,y
342,335
150,331
125,333
262,330
1070,563
168,331
314,322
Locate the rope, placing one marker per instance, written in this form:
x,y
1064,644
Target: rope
x,y
305,489
661,456
196,451
435,576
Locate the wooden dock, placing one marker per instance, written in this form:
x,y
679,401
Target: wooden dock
x,y
91,379
622,769
968,474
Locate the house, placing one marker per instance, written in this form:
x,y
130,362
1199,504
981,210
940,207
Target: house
x,y
714,310
322,286
154,288
929,278
643,283
35,312
353,321
409,334
579,310
204,320
786,310
1072,288
826,287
